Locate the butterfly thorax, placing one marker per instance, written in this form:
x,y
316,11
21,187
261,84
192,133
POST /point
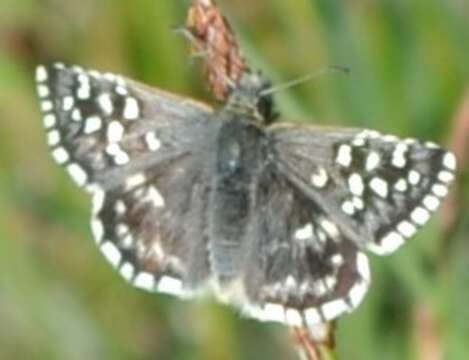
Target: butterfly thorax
x,y
247,99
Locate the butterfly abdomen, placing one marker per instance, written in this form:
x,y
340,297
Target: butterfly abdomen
x,y
239,158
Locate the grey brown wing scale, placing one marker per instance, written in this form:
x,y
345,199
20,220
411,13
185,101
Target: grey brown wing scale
x,y
378,188
142,154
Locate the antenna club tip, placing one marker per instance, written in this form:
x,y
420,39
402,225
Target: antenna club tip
x,y
344,69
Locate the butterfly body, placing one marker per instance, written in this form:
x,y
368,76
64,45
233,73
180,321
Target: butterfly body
x,y
274,217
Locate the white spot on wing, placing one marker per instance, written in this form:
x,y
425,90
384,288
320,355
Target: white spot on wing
x,y
120,207
145,281
154,196
274,312
304,233
334,308
363,266
319,288
398,156
76,115
99,196
60,155
78,174
152,141
254,312
135,181
330,282
43,91
401,185
105,103
95,74
41,73
67,103
390,138
46,105
93,123
115,131
312,316
329,227
120,156
358,141
110,77
121,90
379,186
84,91
420,215
440,190
406,229
355,184
388,244
97,229
344,155
358,203
431,202
319,178
372,161
49,120
122,229
171,286
445,176
337,260
449,160
53,137
111,252
131,109
431,145
357,293
348,207
414,177
127,271
293,317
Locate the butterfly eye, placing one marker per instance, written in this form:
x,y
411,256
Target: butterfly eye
x,y
265,107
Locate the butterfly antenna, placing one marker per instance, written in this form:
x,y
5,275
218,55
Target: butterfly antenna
x,y
328,70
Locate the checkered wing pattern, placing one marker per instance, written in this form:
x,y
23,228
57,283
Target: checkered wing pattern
x,y
334,193
377,189
303,269
128,145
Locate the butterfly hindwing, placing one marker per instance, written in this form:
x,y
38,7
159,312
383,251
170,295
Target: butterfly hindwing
x,y
302,268
152,228
379,189
139,151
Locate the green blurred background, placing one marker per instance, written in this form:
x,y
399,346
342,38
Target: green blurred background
x,y
409,63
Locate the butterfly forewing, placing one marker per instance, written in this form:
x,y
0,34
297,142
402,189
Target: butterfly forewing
x,y
139,151
102,125
378,189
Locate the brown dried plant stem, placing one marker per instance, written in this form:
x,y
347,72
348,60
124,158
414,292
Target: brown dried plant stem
x,y
315,345
211,36
452,207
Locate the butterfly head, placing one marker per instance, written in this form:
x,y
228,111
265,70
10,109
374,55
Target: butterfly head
x,y
248,98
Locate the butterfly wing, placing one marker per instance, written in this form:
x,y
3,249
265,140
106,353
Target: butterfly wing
x,y
327,195
302,268
142,153
378,189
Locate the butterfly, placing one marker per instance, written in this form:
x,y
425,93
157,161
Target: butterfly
x,y
271,217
